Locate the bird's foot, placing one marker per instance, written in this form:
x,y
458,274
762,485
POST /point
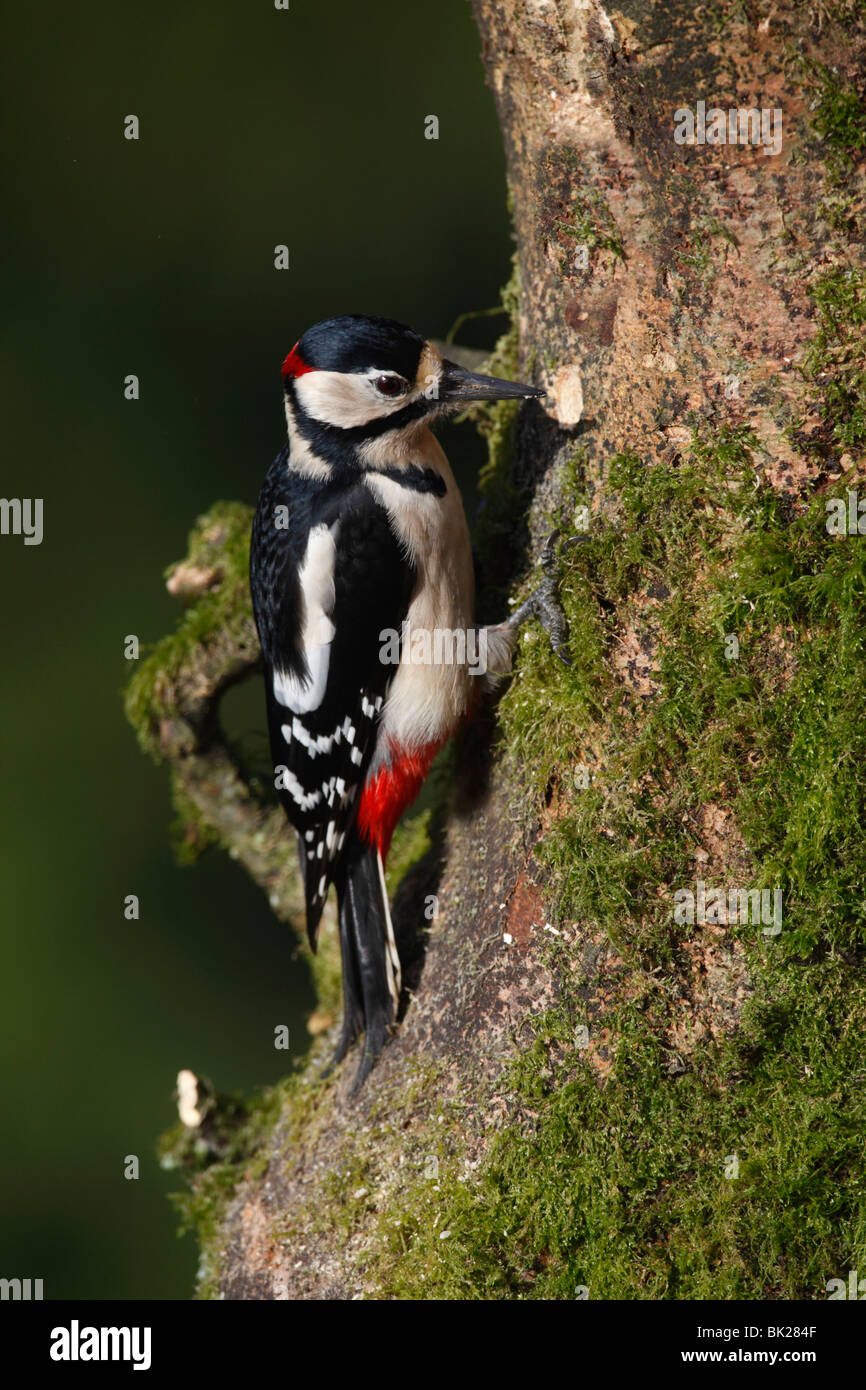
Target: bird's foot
x,y
544,603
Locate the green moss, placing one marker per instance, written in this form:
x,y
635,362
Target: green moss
x,y
504,498
702,551
412,840
836,359
838,119
345,1198
245,1128
619,1185
219,542
622,1189
224,1150
592,224
736,12
191,833
707,237
495,421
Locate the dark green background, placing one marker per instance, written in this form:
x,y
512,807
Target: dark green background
x,y
258,127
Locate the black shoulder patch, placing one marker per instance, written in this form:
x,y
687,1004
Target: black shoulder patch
x,y
416,479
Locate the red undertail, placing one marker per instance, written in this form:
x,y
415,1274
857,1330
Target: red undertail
x,y
390,790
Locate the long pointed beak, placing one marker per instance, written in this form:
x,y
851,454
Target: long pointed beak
x,y
461,387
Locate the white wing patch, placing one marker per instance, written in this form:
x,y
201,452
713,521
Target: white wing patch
x,y
323,781
298,795
326,794
316,577
320,743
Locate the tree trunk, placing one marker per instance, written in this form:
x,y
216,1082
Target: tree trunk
x,y
573,1085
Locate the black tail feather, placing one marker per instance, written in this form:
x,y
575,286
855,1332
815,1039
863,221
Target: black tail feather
x,y
371,970
353,1003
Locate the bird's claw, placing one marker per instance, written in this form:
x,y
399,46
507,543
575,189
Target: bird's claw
x,y
544,603
549,613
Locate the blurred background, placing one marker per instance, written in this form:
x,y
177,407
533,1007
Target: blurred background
x,y
257,127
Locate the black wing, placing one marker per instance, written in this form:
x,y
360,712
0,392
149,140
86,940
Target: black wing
x,y
324,716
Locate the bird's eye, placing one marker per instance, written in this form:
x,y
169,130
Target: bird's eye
x,y
390,385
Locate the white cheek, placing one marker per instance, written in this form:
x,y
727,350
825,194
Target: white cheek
x,y
334,398
345,399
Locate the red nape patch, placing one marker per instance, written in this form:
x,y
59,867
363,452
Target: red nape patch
x,y
390,791
295,365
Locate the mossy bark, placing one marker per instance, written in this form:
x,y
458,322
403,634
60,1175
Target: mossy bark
x,y
696,312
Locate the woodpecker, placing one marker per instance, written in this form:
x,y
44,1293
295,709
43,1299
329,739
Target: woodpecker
x,y
360,532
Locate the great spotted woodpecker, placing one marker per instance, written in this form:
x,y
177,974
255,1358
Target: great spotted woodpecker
x,y
360,529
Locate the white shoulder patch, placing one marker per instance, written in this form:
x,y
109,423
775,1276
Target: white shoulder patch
x,y
317,631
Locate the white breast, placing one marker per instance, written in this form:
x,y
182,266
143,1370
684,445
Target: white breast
x,y
426,701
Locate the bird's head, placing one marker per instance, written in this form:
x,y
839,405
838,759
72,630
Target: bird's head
x,y
369,375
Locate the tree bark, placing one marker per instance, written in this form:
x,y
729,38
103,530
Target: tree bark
x,y
666,297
